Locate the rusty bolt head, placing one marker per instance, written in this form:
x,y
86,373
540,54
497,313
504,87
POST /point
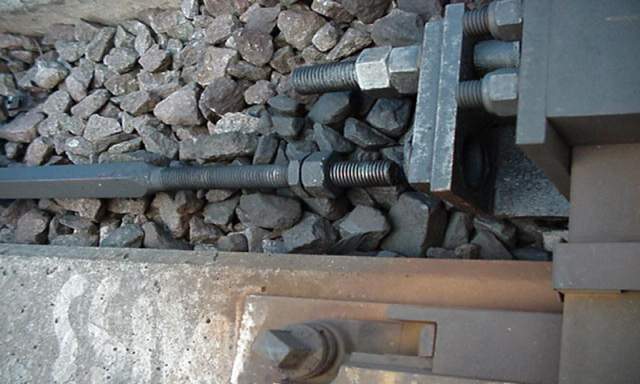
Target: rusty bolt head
x,y
500,92
505,19
404,69
315,175
282,348
372,69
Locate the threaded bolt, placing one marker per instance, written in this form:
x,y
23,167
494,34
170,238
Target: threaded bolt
x,y
329,77
470,94
365,173
476,21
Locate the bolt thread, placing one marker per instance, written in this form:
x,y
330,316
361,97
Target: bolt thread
x,y
329,77
365,174
231,177
476,21
470,94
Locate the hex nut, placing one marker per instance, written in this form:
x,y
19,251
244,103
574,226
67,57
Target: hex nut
x,y
372,69
500,92
294,178
315,175
282,348
505,19
404,69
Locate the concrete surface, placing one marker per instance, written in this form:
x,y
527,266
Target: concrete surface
x,y
33,17
91,315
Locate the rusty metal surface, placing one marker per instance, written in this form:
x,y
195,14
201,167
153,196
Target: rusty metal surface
x,y
198,299
600,339
605,182
597,267
482,344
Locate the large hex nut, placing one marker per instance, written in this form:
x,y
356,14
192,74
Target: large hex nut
x,y
315,175
404,69
294,178
372,69
500,92
505,19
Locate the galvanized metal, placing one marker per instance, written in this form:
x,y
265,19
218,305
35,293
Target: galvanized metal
x,y
493,54
137,179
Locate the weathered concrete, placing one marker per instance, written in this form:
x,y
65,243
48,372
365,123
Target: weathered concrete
x,y
32,17
124,315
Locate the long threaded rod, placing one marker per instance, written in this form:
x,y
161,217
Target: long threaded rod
x,y
232,177
328,77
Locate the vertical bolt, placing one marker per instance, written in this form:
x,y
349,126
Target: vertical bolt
x,y
476,21
328,77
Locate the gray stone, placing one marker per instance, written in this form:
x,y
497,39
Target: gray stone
x,y
78,82
158,142
254,46
143,41
331,108
331,9
360,196
266,150
550,239
224,146
467,252
220,213
137,103
175,212
284,105
160,84
504,231
57,102
92,209
23,128
300,149
273,246
128,206
127,236
330,209
32,227
99,127
171,23
59,124
78,239
259,93
298,26
70,51
353,40
10,215
329,140
233,242
390,116
80,146
190,8
259,18
490,247
398,28
7,85
221,96
85,31
122,84
155,59
216,195
366,225
141,155
38,151
440,253
156,237
364,136
248,71
286,126
425,8
179,108
326,37
240,122
387,196
313,234
418,222
100,44
285,60
269,211
221,28
531,254
213,64
255,236
121,60
122,38
366,11
203,233
13,150
458,230
90,104
49,74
